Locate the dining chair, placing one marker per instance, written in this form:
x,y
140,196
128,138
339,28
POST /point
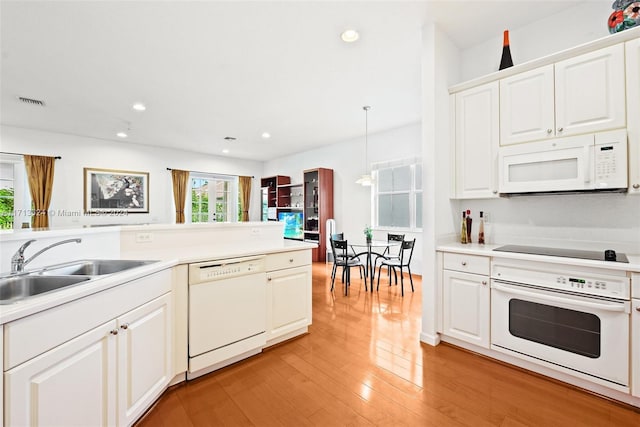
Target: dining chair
x,y
404,260
392,252
342,258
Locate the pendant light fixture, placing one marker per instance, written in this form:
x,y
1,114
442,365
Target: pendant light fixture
x,y
365,180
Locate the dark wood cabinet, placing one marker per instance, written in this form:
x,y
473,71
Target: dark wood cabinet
x,y
271,185
318,208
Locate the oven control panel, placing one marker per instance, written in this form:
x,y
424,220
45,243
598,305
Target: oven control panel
x,y
586,281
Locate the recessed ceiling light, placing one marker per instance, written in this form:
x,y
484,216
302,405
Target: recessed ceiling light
x,y
139,106
225,151
349,36
266,135
121,135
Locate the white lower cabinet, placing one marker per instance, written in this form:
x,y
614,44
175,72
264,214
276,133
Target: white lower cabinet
x,y
106,376
466,298
635,347
144,357
288,295
466,307
72,385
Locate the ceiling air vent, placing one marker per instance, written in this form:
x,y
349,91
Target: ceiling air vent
x,y
31,101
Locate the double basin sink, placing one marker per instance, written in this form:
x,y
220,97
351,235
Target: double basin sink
x,y
17,287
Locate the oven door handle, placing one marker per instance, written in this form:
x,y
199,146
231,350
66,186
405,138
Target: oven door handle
x,y
615,307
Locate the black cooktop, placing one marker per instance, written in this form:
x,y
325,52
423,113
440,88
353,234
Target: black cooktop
x,y
567,253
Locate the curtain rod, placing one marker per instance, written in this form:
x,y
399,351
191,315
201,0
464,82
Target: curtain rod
x,y
213,173
22,154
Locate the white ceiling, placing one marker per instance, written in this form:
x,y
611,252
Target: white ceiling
x,y
211,69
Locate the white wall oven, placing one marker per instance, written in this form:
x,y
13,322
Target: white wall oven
x,y
571,319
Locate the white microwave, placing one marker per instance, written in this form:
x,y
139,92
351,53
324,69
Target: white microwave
x,y
578,163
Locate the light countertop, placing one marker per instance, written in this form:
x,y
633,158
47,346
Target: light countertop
x,y
488,250
16,310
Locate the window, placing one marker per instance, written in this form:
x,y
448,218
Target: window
x,y
214,198
397,193
15,201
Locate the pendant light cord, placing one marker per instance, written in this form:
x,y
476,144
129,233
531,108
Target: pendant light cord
x,y
366,109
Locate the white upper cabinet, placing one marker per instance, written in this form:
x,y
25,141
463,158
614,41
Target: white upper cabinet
x,y
476,142
579,95
633,114
527,112
590,92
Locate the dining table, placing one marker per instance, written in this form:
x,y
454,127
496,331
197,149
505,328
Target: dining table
x,y
369,248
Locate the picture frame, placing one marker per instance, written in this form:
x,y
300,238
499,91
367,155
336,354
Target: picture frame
x,y
115,191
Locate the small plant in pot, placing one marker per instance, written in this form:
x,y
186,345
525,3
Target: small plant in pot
x,y
368,233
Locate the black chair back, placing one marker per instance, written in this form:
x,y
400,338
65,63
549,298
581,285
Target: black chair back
x,y
339,249
394,251
407,246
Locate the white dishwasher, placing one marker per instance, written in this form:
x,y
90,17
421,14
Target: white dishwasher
x,y
227,312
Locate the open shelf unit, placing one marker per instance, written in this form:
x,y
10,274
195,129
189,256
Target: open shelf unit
x,y
312,199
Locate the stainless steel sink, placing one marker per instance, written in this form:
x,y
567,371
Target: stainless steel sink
x,y
93,267
18,287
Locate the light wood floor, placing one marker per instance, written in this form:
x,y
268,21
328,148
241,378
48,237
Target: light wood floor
x,y
362,364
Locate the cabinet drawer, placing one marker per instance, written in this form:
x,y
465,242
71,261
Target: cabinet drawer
x,y
467,263
289,259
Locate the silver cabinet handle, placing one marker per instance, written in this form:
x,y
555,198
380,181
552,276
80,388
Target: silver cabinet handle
x,y
560,129
114,332
549,131
269,279
484,282
290,259
125,326
495,191
464,263
636,186
638,308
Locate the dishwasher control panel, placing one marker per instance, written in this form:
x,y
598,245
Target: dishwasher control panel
x,y
209,271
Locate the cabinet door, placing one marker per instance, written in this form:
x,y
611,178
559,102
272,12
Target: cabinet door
x,y
527,106
633,113
466,307
71,385
590,92
144,357
635,347
289,301
476,142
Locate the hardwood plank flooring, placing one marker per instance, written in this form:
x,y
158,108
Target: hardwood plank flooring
x,y
362,364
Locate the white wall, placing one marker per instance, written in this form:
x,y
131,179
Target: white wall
x,y
80,152
440,58
352,202
564,30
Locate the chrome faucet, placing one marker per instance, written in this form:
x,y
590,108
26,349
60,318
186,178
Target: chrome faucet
x,y
18,262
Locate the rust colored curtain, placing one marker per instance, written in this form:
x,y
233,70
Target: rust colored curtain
x,y
40,175
180,180
245,195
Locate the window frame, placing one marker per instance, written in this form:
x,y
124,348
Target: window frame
x,y
232,199
413,191
22,207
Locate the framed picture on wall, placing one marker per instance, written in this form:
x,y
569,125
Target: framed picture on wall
x,y
108,190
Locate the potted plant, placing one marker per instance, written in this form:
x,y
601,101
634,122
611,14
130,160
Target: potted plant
x,y
368,233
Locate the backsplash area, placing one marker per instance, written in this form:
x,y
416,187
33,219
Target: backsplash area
x,y
577,221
